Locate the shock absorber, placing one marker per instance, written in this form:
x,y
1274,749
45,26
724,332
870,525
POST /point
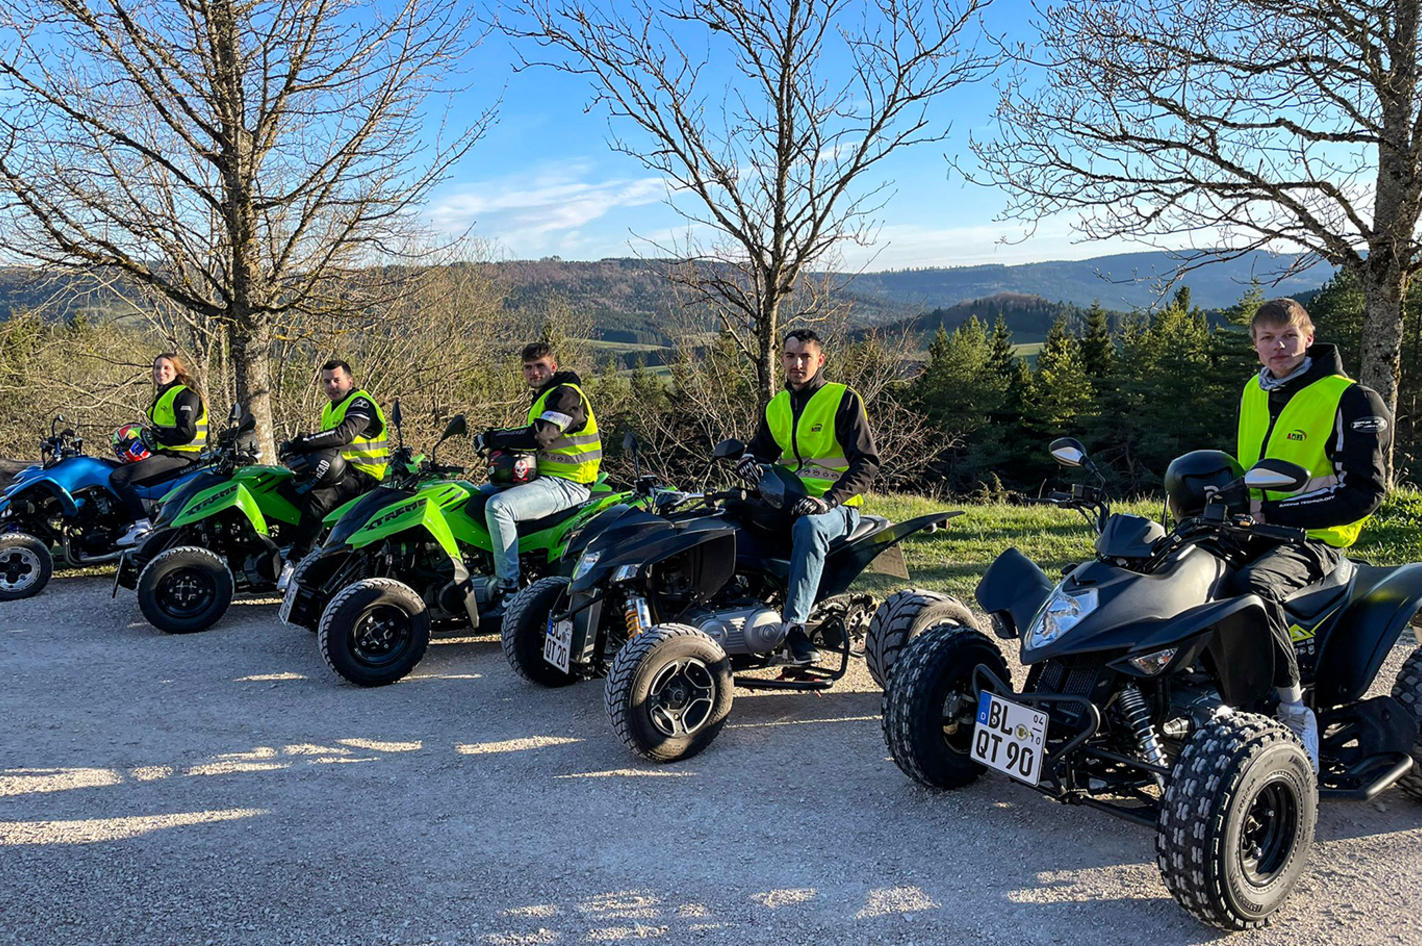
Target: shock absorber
x,y
637,615
1132,707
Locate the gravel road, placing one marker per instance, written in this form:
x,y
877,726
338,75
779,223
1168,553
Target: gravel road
x,y
222,788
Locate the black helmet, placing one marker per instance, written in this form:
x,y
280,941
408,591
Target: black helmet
x,y
508,468
1191,477
318,468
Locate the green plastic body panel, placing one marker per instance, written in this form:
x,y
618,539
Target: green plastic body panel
x,y
427,509
253,490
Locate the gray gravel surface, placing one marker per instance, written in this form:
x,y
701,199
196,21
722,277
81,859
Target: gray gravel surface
x,y
223,788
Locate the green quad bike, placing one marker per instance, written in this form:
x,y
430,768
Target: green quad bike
x,y
413,555
218,533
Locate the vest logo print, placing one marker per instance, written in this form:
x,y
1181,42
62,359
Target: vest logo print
x,y
1370,425
1297,435
817,428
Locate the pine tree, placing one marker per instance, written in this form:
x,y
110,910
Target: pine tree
x,y
1098,349
1061,393
1002,357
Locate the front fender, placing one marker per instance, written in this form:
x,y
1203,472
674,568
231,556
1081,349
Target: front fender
x,y
1016,586
1359,642
39,491
417,513
210,502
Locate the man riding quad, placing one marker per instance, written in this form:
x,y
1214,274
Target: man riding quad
x,y
822,426
561,430
353,425
1302,408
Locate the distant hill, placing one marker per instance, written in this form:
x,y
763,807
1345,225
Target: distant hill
x,y
1123,281
1029,317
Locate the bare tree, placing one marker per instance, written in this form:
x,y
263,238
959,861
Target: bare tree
x,y
238,158
1238,124
774,157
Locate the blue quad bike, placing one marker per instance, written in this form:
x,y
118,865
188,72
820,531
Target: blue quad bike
x,y
1149,691
65,502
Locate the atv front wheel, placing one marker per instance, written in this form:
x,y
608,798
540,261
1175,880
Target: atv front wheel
x,y
26,566
902,617
669,692
1407,690
1236,821
930,707
185,589
525,627
374,632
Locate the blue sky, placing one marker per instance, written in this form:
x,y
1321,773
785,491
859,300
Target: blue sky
x,y
543,182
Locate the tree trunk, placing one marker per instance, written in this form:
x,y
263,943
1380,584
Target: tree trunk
x,y
766,336
251,361
1384,286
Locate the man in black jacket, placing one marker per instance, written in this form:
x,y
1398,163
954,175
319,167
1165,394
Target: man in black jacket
x,y
353,426
561,431
1301,407
817,428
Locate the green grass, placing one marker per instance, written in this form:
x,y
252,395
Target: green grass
x,y
953,559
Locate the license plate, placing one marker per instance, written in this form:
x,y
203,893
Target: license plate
x,y
558,642
288,601
1010,737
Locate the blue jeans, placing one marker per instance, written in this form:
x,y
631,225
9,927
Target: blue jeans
x,y
812,536
502,514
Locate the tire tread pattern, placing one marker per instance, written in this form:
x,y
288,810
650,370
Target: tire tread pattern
x,y
44,554
899,619
195,551
323,633
620,677
1407,690
530,598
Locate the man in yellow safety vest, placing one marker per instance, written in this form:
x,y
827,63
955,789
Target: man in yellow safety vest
x,y
561,431
819,430
1302,408
353,425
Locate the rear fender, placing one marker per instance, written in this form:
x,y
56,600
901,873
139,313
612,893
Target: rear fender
x,y
218,499
848,562
1014,585
1360,639
417,513
331,517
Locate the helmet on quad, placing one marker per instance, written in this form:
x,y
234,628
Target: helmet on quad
x,y
510,468
1190,479
319,468
128,444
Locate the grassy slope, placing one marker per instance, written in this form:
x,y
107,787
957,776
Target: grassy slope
x,y
952,560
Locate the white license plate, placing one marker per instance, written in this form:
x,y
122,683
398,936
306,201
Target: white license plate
x,y
1010,737
288,600
558,642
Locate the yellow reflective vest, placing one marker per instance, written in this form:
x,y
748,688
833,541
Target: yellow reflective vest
x,y
163,413
575,457
1299,435
810,439
370,455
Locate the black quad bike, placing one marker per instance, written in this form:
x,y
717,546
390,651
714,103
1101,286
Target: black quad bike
x,y
1149,692
679,606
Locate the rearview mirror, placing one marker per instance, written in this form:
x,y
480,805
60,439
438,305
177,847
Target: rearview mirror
x,y
1068,451
235,414
395,415
730,447
629,441
457,427
1277,475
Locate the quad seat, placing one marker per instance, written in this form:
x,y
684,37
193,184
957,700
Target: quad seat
x,y
475,510
867,524
1312,600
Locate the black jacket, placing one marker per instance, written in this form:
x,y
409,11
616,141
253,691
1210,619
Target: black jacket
x,y
1361,441
360,421
187,408
562,414
851,429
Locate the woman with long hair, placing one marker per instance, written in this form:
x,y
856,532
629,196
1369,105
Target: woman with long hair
x,y
174,434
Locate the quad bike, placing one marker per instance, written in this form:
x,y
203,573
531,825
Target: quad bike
x,y
65,501
680,606
1149,693
413,554
218,533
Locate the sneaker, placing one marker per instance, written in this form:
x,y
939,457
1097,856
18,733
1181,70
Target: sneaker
x,y
498,596
797,644
1301,723
284,579
135,532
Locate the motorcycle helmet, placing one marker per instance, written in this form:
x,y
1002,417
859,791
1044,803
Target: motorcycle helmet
x,y
128,444
509,468
1191,478
318,468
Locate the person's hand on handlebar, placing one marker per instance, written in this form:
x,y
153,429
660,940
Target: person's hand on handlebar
x,y
748,469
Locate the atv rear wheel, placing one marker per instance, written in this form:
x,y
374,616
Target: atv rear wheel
x,y
930,707
26,566
1236,821
902,617
1407,690
185,589
374,632
669,692
525,627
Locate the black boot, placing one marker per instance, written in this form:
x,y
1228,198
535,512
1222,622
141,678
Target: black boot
x,y
802,652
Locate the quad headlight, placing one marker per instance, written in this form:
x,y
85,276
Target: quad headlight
x,y
585,564
1061,613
